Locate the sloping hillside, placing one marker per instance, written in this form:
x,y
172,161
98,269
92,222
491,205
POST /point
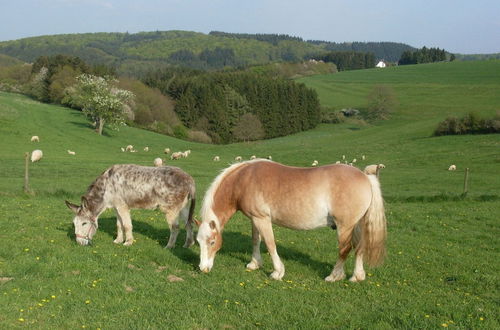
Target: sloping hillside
x,y
131,52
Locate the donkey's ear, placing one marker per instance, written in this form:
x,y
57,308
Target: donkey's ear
x,y
72,207
85,202
213,226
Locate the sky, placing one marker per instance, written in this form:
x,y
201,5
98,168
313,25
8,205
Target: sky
x,y
465,27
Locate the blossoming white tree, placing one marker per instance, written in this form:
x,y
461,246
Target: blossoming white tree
x,y
101,101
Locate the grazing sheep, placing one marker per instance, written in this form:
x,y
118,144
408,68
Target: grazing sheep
x,y
129,148
238,158
343,157
452,168
187,152
166,150
354,160
71,152
253,157
36,155
337,162
216,158
176,155
123,149
158,162
35,138
381,166
270,157
314,163
146,149
363,157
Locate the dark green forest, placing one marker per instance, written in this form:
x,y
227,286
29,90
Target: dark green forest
x,y
216,102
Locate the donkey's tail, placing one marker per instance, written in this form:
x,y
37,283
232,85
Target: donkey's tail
x,y
375,226
192,196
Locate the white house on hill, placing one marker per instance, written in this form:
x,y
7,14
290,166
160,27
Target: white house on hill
x,y
380,64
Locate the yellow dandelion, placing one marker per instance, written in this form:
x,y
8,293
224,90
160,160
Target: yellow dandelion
x,y
21,310
427,315
481,319
237,302
242,283
51,241
444,325
20,319
53,297
26,250
226,301
87,302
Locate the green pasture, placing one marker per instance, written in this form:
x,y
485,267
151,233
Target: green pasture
x,y
440,271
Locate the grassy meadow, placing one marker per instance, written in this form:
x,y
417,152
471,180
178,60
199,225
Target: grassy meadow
x,y
440,271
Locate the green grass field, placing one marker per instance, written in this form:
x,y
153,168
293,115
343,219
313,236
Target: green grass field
x,y
440,271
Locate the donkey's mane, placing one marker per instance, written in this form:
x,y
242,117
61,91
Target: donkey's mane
x,y
96,190
208,200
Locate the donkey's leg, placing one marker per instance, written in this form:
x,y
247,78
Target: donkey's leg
x,y
256,257
119,229
265,228
173,225
345,245
124,213
189,227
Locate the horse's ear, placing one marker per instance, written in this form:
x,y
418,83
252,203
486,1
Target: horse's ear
x,y
213,226
72,207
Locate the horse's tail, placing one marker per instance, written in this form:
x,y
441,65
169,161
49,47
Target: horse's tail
x,y
374,226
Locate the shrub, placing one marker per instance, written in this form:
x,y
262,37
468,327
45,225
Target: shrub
x,y
332,117
199,136
469,124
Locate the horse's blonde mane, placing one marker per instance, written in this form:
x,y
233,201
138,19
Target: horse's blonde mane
x,y
208,200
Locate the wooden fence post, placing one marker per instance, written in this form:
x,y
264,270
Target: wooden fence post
x,y
466,182
26,172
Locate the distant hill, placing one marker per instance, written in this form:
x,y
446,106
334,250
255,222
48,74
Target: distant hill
x,y
136,53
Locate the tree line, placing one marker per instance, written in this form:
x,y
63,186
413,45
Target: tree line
x,y
223,104
424,55
349,60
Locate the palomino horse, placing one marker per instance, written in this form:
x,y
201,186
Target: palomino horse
x,y
124,187
296,198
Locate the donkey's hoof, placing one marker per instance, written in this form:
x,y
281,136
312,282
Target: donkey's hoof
x,y
335,277
118,241
188,244
128,243
169,246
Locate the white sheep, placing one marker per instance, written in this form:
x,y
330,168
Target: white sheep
x,y
36,155
270,157
314,163
176,155
354,160
146,149
253,157
363,157
129,148
337,162
343,157
452,168
35,138
71,152
166,150
238,158
158,162
123,149
216,158
187,152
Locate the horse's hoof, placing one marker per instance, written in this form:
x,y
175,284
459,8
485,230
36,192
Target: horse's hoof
x,y
253,265
357,277
277,275
335,277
